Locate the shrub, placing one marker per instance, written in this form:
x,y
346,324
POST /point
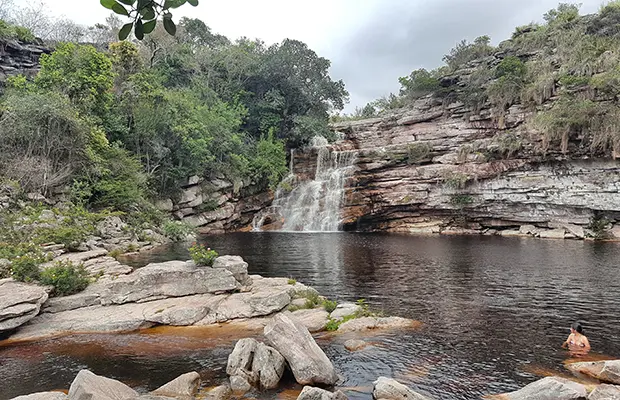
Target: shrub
x,y
599,226
26,268
330,305
292,281
465,52
177,231
418,152
419,83
202,255
66,278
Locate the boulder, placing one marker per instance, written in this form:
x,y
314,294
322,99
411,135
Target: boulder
x,y
185,386
88,386
371,323
260,365
605,392
239,385
355,345
236,266
389,389
222,392
550,388
344,310
112,227
168,279
313,393
19,303
292,339
43,396
604,371
165,205
314,319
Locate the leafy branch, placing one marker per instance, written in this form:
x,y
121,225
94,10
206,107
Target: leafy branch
x,y
144,15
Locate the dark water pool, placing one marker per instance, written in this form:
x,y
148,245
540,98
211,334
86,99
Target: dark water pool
x,y
495,312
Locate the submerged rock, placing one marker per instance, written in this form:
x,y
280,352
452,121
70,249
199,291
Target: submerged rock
x,y
604,371
370,323
222,392
550,388
605,392
185,386
260,365
19,303
390,389
88,386
355,345
292,339
43,396
313,393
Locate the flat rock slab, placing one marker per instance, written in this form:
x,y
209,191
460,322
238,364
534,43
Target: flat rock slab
x,y
43,396
77,258
604,371
550,388
169,279
605,392
315,319
19,303
372,323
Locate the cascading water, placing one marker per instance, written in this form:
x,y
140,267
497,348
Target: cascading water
x,y
313,205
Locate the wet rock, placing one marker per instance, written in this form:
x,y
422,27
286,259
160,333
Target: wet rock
x,y
239,385
185,386
222,392
236,265
371,323
260,365
43,396
355,345
168,279
390,389
315,319
344,310
550,388
604,371
553,234
19,303
605,392
308,362
313,393
88,386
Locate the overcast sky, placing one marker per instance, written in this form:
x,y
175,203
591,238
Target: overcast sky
x,y
370,42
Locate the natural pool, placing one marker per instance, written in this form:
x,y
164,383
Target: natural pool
x,y
495,312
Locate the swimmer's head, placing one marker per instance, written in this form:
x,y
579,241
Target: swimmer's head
x,y
576,327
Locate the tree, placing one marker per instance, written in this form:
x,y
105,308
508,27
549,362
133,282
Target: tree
x,y
144,15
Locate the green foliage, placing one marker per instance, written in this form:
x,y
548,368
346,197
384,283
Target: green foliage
x,y
563,15
25,268
461,200
419,83
465,52
66,278
292,281
177,231
455,180
330,305
202,256
599,226
418,152
8,32
269,163
511,67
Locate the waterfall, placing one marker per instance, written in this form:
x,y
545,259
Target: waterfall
x,y
313,205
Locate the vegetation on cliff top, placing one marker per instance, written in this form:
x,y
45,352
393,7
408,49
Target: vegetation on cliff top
x,y
134,120
570,59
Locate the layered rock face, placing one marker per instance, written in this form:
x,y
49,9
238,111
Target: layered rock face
x,y
437,168
18,58
216,206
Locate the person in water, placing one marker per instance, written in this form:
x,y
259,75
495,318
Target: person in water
x,y
577,340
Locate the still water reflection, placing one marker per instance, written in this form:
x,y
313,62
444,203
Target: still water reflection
x,y
495,310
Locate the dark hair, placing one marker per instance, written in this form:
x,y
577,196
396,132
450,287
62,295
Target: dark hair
x,y
577,327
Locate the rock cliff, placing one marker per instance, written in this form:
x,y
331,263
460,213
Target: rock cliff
x,y
18,58
440,168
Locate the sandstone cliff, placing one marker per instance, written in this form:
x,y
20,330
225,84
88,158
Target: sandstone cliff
x,y
439,167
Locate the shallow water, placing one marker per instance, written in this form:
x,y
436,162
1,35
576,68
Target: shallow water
x,y
495,312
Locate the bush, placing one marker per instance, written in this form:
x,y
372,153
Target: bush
x,y
66,278
26,268
202,256
177,231
419,83
418,152
330,305
8,31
